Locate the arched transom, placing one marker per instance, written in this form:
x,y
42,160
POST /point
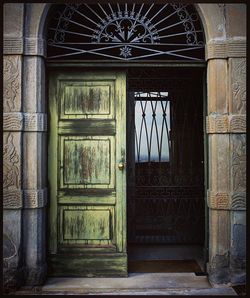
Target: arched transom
x,y
125,31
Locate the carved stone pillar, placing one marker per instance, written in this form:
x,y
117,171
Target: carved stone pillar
x,y
12,162
218,199
34,170
25,192
226,125
12,151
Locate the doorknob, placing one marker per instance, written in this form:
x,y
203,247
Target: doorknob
x,y
121,166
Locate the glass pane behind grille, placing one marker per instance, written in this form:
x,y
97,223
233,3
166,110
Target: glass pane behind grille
x,y
152,127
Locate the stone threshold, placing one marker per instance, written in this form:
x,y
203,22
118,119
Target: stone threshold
x,y
147,292
187,284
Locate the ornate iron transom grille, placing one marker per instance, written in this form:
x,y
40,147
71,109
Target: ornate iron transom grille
x,y
125,32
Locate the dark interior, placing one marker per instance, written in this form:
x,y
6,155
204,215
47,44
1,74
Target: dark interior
x,y
165,164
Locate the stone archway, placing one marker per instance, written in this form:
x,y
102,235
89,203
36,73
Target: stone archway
x,y
25,183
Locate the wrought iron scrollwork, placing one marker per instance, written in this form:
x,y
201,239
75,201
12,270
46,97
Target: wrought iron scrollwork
x,y
126,31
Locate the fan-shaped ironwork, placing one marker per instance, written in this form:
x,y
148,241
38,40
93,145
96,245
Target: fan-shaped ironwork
x,y
125,32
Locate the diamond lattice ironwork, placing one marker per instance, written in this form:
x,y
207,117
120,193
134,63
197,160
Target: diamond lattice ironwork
x,y
152,126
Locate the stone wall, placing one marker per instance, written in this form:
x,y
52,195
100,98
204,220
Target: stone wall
x,y
25,147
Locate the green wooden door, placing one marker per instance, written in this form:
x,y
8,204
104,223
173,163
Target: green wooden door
x,y
87,149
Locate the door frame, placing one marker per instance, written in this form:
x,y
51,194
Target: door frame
x,y
122,66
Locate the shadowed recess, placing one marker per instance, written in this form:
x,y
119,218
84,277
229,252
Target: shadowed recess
x,y
143,266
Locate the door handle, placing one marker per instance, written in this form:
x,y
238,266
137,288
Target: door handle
x,y
121,166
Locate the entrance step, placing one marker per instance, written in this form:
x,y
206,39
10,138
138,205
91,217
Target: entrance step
x,y
134,284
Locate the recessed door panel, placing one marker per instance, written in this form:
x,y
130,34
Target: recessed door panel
x,y
87,99
86,225
87,162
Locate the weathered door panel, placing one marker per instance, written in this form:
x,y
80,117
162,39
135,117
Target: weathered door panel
x,y
87,190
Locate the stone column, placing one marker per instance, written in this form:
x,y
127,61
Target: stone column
x,y
13,269
218,199
226,125
34,168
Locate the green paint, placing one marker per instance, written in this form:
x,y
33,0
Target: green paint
x,y
87,99
87,140
84,100
91,127
89,265
86,224
86,161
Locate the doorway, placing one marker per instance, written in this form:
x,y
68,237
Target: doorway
x,y
156,166
165,170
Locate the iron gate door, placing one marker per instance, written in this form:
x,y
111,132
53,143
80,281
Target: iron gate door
x,y
165,156
87,151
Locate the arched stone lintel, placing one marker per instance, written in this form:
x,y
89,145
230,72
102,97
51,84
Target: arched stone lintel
x,y
213,21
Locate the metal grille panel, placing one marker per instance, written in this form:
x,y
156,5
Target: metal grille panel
x,y
168,218
166,195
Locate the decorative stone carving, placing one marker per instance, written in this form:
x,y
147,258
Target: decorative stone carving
x,y
226,124
237,123
12,199
217,123
12,45
25,121
238,162
227,201
226,49
237,48
216,50
11,164
218,200
13,121
34,46
238,201
35,198
35,122
12,83
238,85
12,195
